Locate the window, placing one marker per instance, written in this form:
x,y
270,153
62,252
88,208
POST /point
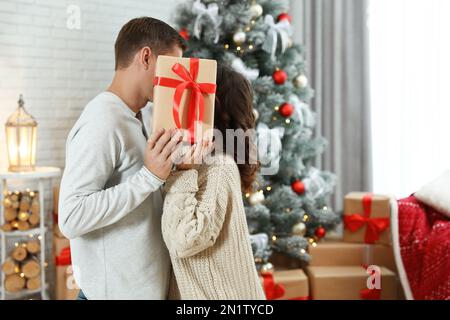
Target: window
x,y
410,83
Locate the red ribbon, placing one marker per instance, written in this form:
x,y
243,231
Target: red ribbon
x,y
375,226
370,294
64,258
196,101
272,290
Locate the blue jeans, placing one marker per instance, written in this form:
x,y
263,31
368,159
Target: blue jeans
x,y
81,296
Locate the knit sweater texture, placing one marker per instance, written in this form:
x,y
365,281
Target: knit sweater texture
x,y
205,229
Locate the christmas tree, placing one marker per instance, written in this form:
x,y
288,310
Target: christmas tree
x,y
288,211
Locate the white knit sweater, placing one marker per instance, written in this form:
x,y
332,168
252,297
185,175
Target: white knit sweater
x,y
205,230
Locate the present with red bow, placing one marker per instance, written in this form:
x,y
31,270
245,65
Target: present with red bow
x,y
367,218
65,286
352,283
285,285
184,96
337,253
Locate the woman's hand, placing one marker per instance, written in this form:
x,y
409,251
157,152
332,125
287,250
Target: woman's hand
x,y
196,155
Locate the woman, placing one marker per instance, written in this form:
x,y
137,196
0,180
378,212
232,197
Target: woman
x,y
203,223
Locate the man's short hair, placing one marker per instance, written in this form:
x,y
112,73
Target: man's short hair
x,y
142,32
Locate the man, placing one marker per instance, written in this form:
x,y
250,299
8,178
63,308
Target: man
x,y
110,202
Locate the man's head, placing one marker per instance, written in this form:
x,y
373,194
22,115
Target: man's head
x,y
138,45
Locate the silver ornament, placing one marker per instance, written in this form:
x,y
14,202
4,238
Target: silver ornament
x,y
267,268
256,10
299,229
256,114
256,198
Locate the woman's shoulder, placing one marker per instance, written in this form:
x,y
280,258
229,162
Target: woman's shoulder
x,y
221,164
221,160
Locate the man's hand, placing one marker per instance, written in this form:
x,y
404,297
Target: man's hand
x,y
159,151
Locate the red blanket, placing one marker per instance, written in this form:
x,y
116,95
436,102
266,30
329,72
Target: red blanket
x,y
423,238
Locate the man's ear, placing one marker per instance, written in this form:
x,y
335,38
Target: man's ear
x,y
145,57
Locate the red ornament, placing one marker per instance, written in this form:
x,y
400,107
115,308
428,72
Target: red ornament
x,y
184,34
320,232
286,110
298,187
279,77
284,16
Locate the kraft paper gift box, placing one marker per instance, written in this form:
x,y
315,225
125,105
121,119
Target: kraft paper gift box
x,y
349,283
59,241
184,95
286,285
352,254
65,286
367,218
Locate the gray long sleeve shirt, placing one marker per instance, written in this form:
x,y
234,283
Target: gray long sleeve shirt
x,y
111,205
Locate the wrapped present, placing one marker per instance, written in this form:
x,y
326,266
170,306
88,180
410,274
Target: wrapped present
x,y
351,283
59,241
284,262
352,254
184,95
65,286
286,285
366,218
55,201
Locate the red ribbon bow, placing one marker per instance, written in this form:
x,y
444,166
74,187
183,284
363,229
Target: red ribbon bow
x,y
370,294
272,290
375,226
196,101
64,258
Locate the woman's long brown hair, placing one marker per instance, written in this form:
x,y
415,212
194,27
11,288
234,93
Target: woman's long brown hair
x,y
234,110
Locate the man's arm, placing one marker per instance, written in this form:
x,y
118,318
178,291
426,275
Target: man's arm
x,y
92,155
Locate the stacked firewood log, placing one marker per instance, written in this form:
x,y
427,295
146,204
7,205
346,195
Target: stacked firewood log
x,y
22,269
21,211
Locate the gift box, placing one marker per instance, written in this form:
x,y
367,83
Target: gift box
x,y
65,286
284,262
184,95
59,241
351,283
352,254
367,218
286,285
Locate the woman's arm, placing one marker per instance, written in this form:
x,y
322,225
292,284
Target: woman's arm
x,y
194,210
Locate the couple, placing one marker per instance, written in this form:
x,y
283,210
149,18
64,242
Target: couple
x,y
140,226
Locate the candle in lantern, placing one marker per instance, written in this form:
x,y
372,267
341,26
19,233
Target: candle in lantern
x,y
21,138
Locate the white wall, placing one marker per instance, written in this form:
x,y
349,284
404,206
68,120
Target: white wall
x,y
58,69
